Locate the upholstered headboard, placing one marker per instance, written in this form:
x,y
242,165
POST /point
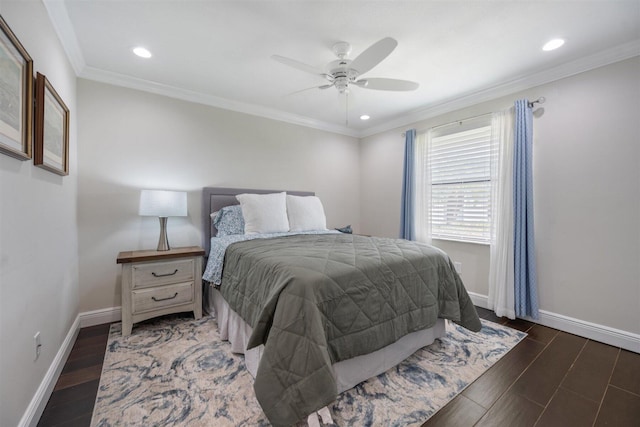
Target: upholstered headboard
x,y
216,198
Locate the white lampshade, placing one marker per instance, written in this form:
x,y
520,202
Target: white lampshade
x,y
163,203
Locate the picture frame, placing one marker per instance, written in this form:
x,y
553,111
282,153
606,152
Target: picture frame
x,y
16,96
52,129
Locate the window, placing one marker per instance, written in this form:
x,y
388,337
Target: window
x,y
458,161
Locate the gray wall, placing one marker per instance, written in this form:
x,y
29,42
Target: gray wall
x,y
133,140
586,195
38,234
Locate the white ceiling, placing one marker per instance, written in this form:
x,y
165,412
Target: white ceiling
x,y
218,52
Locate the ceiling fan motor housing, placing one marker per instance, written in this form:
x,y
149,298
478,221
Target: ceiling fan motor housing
x,y
342,74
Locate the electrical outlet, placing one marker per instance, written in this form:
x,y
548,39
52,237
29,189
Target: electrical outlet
x,y
38,345
458,267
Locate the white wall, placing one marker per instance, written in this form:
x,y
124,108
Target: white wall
x,y
38,234
586,194
133,140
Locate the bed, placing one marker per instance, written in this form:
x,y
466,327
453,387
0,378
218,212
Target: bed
x,y
317,312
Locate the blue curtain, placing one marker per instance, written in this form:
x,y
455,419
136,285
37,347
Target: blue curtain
x,y
525,281
407,220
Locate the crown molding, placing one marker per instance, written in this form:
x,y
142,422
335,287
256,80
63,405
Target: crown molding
x,y
61,22
524,82
117,79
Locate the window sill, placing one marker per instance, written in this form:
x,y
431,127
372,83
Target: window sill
x,y
471,242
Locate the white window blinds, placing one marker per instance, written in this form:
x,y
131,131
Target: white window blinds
x,y
459,160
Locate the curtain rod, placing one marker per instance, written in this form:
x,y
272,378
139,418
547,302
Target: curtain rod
x,y
540,100
450,123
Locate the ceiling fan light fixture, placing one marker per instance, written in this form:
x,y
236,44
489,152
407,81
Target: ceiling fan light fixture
x,y
142,52
342,84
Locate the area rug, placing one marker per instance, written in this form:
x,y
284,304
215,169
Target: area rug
x,y
175,371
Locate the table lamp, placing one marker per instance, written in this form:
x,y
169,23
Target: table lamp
x,y
163,204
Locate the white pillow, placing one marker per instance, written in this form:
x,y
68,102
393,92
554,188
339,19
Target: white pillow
x,y
264,213
305,213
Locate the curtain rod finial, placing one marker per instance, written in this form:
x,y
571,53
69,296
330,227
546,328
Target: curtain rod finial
x,y
537,101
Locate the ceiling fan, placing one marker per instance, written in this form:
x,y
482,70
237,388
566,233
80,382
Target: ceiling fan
x,y
343,73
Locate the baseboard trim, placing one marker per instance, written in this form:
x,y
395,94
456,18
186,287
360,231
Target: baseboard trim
x,y
41,397
479,300
99,317
593,331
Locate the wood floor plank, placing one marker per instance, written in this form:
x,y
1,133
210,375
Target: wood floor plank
x,y
85,350
626,374
460,412
569,409
519,324
493,383
83,420
78,377
540,381
590,373
96,330
83,362
90,341
511,410
492,317
542,334
482,311
61,414
73,394
619,408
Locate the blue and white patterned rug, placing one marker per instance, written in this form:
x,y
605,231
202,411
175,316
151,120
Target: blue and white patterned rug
x,y
175,371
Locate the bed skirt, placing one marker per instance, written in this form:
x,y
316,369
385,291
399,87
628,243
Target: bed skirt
x,y
347,373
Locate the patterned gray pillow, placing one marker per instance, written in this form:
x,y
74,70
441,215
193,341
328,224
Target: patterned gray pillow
x,y
228,221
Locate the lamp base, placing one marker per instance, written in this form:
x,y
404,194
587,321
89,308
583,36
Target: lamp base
x,y
163,242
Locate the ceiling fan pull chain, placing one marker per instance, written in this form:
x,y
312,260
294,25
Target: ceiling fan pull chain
x,y
346,110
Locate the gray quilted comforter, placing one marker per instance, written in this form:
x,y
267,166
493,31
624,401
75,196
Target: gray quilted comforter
x,y
314,300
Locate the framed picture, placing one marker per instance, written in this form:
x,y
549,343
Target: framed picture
x,y
52,129
16,96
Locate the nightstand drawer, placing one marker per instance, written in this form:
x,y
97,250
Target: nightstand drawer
x,y
165,296
162,273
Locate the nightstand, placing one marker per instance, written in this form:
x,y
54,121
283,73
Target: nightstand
x,y
155,283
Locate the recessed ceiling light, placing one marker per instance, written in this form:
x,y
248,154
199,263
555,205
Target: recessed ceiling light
x,y
142,52
553,44
364,117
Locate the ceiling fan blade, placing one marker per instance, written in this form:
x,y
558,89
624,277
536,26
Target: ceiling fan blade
x,y
327,86
299,65
373,55
387,84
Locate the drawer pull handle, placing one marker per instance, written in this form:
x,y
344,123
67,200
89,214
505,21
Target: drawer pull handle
x,y
164,275
164,299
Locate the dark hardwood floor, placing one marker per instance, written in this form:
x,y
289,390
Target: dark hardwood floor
x,y
549,379
71,403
